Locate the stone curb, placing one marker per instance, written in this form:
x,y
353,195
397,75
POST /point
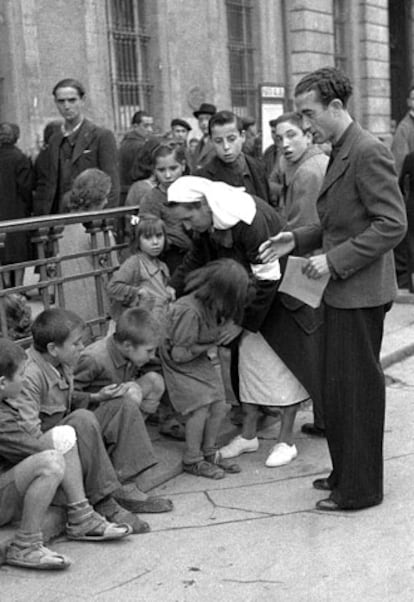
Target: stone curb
x,y
397,356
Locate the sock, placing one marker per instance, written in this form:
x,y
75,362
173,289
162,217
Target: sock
x,y
78,512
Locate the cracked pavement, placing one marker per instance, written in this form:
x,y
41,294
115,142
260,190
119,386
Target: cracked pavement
x,y
256,536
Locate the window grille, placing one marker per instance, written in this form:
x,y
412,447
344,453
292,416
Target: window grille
x,y
341,27
129,52
242,56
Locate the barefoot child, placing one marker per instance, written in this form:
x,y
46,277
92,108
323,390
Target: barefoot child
x,y
215,296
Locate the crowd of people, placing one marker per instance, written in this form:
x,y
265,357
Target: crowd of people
x,y
207,251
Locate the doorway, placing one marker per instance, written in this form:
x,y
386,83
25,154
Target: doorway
x,y
399,14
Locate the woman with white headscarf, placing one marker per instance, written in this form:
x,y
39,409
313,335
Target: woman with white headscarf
x,y
279,359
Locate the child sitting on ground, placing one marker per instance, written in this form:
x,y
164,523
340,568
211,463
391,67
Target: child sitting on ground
x,y
47,399
119,359
215,295
32,469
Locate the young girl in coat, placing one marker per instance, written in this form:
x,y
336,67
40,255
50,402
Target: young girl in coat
x,y
215,295
142,280
169,164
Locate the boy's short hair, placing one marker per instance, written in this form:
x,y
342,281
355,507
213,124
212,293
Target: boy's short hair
x,y
11,356
224,118
54,326
137,326
291,117
70,82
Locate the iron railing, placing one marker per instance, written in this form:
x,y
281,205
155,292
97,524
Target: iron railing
x,y
45,233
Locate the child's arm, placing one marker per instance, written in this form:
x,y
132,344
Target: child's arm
x,y
91,383
184,337
181,354
16,443
125,284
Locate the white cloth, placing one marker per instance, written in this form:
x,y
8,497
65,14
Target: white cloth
x,y
266,271
63,437
229,205
265,379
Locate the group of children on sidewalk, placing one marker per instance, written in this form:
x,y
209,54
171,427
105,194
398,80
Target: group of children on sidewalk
x,y
72,420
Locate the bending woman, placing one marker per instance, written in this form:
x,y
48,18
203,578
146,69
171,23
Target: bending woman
x,y
231,223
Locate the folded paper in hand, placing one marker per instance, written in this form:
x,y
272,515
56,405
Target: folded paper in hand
x,y
297,284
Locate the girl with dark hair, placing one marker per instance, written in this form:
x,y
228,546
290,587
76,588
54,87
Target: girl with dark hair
x,y
168,165
215,295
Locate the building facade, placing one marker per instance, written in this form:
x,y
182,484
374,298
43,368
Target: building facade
x,y
168,56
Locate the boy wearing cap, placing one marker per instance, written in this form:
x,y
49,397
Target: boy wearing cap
x,y
180,130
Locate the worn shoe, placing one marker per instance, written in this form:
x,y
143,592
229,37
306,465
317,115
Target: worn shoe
x,y
239,445
204,469
96,527
311,429
135,500
35,556
226,464
281,454
116,514
328,505
322,484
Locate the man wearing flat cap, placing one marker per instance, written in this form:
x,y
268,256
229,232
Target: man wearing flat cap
x,y
204,151
180,130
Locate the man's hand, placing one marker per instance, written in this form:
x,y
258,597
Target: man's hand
x,y
277,246
228,332
316,267
171,293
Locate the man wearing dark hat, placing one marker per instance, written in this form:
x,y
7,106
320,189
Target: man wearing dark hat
x,y
205,149
180,130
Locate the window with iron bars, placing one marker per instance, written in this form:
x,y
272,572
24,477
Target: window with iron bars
x,y
341,28
242,56
129,45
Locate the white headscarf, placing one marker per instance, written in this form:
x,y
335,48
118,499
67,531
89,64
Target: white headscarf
x,y
229,205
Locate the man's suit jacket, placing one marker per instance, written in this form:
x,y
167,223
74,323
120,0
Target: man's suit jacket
x,y
362,218
218,171
94,147
203,154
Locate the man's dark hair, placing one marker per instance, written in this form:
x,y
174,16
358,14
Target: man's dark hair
x,y
138,117
54,326
224,118
70,83
137,326
11,356
329,83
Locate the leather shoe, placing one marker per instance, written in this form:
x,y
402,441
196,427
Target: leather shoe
x,y
311,429
328,505
322,484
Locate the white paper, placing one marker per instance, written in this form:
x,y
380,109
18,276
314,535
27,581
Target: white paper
x,y
300,286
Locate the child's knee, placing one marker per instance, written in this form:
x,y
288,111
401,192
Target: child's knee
x,y
50,463
218,409
152,384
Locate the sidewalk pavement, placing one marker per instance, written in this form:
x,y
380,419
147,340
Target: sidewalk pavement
x,y
256,535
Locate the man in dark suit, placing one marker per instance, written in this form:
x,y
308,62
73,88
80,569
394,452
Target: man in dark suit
x,y
78,145
204,150
230,164
131,144
362,218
